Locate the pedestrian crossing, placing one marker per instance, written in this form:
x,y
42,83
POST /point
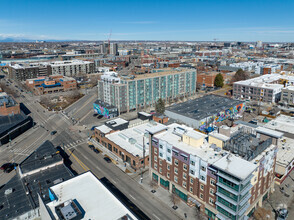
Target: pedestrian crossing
x,y
75,143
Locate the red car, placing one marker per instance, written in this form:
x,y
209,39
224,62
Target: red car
x,y
8,167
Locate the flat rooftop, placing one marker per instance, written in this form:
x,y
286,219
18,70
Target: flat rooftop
x,y
8,123
131,139
282,123
44,156
205,151
93,197
203,107
160,72
25,190
285,153
235,166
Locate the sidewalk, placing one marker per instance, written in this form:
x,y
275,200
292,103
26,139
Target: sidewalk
x,y
163,196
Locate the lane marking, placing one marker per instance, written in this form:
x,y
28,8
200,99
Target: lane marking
x,y
132,197
156,216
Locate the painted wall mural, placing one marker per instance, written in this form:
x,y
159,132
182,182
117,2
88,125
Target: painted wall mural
x,y
101,110
221,116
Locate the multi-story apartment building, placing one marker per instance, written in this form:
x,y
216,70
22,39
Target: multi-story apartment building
x,y
288,95
21,72
226,177
265,88
140,91
72,68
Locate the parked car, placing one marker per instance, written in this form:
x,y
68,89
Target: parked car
x,y
96,151
91,146
8,167
53,132
107,159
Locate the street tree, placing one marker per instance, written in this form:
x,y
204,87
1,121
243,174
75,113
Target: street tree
x,y
160,106
240,75
174,198
219,80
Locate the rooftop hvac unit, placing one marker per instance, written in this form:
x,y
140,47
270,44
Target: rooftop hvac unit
x,y
8,191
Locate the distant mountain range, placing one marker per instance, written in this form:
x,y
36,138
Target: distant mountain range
x,y
19,39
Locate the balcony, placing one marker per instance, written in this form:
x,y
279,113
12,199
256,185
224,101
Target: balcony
x,y
228,178
225,181
219,194
229,210
227,188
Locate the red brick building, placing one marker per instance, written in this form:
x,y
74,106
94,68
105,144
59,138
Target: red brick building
x,y
52,84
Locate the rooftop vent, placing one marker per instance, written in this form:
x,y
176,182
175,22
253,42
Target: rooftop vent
x,y
8,191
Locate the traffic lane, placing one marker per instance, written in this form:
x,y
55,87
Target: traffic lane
x,y
145,200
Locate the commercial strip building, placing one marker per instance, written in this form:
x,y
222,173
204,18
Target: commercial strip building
x,y
83,197
34,176
266,88
13,121
206,112
102,108
51,84
140,91
226,177
21,72
127,140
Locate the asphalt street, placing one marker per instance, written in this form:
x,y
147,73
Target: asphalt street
x,y
84,159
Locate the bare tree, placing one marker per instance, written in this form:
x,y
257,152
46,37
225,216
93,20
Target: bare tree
x,y
153,184
174,198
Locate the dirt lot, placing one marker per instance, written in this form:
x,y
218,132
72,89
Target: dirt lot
x,y
60,102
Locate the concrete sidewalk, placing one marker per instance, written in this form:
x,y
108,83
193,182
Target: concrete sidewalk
x,y
164,196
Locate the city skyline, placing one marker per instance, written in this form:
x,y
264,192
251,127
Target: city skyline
x,y
165,20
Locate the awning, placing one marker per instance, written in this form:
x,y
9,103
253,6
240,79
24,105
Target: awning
x,y
198,204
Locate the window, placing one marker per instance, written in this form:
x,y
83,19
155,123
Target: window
x,y
167,175
134,163
185,166
201,196
168,159
160,170
176,179
191,180
212,182
192,163
202,178
211,191
176,162
203,168
176,154
155,150
155,158
160,162
184,184
168,167
155,166
191,189
176,170
168,150
184,175
160,154
160,146
201,186
211,201
192,172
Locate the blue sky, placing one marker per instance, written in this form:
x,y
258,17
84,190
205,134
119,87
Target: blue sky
x,y
198,20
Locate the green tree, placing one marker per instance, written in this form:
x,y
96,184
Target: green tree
x,y
160,106
240,75
219,80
